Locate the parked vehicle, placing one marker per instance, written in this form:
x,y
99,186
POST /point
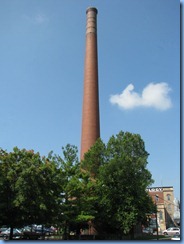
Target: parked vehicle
x,y
175,238
31,235
17,234
44,230
3,229
147,230
171,231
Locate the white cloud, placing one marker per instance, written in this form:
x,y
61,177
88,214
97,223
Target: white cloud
x,y
155,95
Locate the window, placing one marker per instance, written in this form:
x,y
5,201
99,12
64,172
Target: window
x,y
160,215
168,197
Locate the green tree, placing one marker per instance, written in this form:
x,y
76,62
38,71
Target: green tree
x,y
77,207
107,189
29,188
69,167
120,183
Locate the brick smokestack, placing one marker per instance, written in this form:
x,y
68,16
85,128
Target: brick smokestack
x,y
90,112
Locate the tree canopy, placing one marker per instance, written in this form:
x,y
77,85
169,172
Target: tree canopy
x,y
107,188
120,182
29,188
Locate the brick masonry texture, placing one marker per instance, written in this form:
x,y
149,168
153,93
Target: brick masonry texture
x,y
90,112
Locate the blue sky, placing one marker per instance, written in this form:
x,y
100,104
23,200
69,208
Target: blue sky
x,y
42,48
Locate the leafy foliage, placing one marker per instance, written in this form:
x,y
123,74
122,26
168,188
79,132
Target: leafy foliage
x,y
29,188
121,182
107,189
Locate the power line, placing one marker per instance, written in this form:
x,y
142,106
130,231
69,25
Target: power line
x,y
168,202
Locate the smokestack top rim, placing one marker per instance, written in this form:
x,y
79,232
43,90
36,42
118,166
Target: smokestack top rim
x,y
92,9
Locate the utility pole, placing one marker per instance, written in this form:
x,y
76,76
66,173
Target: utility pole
x,y
156,200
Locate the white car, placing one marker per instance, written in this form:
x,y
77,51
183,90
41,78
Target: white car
x,y
171,231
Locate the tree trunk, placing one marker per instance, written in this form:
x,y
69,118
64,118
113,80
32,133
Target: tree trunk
x,y
11,233
132,233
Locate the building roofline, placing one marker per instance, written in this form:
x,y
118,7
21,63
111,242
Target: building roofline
x,y
159,187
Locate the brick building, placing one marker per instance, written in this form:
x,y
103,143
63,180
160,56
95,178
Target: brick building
x,y
163,197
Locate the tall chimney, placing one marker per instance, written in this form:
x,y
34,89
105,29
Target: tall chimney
x,y
90,112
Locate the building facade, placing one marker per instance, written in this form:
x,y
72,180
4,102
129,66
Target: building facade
x,y
163,197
